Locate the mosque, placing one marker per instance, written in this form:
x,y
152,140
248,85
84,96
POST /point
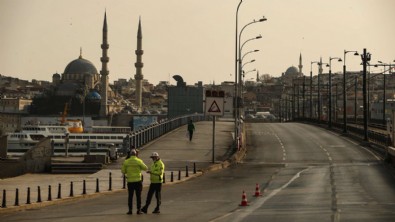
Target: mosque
x,y
292,73
83,88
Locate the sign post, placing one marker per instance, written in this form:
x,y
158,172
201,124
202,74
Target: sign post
x,y
214,106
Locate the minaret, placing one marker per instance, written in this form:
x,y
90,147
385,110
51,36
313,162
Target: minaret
x,y
300,65
257,75
104,71
320,66
139,65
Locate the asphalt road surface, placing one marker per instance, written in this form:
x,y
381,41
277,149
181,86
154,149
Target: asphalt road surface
x,y
304,173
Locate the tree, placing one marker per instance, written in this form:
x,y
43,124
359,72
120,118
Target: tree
x,y
265,78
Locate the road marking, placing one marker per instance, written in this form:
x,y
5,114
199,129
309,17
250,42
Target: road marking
x,y
259,202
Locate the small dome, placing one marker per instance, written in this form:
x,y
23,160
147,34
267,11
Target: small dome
x,y
93,96
292,71
80,66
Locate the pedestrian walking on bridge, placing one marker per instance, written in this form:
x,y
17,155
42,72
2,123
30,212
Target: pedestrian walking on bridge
x,y
156,171
191,128
132,168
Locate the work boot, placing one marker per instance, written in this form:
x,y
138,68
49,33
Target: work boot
x,y
156,211
144,209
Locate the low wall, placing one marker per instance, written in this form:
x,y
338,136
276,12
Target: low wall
x,y
3,146
36,160
391,152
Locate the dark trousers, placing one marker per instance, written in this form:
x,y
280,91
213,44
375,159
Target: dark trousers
x,y
190,134
134,187
154,188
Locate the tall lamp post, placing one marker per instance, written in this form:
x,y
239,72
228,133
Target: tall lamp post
x,y
330,90
344,91
366,57
384,91
240,48
311,89
235,105
241,81
319,88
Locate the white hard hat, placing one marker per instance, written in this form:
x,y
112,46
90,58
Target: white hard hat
x,y
154,154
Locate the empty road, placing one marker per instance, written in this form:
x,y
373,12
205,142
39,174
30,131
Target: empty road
x,y
305,173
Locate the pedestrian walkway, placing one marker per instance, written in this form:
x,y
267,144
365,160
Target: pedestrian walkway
x,y
184,159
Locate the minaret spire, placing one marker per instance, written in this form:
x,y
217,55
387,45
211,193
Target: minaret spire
x,y
139,65
104,71
257,75
300,65
80,53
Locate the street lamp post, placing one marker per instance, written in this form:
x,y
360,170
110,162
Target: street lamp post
x,y
344,91
240,45
365,59
311,89
384,89
319,89
235,105
330,90
240,48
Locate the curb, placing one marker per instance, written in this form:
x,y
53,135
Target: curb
x,y
45,203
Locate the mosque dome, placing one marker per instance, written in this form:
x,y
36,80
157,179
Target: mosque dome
x,y
80,66
93,96
292,71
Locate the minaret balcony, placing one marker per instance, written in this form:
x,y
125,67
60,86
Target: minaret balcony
x,y
139,52
139,65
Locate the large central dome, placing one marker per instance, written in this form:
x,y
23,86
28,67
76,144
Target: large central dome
x,y
80,66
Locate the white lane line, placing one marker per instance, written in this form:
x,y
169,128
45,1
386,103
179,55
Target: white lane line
x,y
241,213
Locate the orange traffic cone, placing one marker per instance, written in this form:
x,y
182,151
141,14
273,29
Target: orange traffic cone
x,y
244,200
257,191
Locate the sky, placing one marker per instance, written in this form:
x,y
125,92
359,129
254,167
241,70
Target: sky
x,y
192,38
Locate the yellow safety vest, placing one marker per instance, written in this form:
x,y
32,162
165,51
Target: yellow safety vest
x,y
132,168
157,169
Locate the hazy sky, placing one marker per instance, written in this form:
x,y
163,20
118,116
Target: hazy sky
x,y
191,38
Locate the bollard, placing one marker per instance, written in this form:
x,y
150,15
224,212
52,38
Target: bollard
x,y
83,187
171,177
38,194
16,197
28,196
194,168
4,203
124,182
71,189
97,185
60,191
49,193
186,171
164,178
110,182
179,174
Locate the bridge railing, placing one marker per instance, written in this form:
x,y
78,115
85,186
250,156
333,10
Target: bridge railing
x,y
139,138
375,135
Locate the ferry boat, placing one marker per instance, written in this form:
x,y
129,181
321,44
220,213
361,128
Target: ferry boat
x,y
20,142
